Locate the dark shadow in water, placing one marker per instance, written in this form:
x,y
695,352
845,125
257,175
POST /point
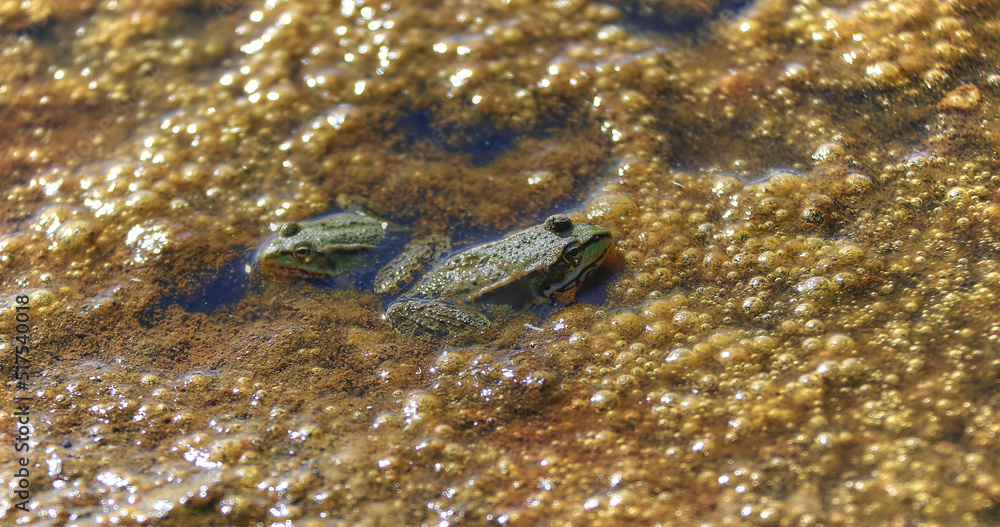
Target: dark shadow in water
x,y
483,142
211,291
222,288
416,126
595,288
656,18
41,33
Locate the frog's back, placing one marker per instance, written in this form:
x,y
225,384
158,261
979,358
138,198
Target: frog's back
x,y
348,229
504,268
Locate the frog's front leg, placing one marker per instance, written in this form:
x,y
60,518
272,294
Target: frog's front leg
x,y
418,256
434,319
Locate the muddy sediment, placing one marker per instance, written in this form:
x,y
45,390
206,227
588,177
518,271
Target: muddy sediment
x,y
802,329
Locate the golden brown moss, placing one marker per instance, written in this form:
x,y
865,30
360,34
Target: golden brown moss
x,y
802,330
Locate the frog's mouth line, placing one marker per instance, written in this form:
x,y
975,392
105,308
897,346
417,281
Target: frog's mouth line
x,y
579,275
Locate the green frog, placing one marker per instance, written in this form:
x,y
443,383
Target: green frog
x,y
526,267
322,248
347,243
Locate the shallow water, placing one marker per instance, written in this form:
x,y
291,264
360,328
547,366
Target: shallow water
x,y
802,328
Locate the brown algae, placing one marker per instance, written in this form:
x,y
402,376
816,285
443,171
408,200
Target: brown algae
x,y
804,330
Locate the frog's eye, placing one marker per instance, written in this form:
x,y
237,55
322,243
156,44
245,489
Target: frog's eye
x,y
289,229
302,251
571,252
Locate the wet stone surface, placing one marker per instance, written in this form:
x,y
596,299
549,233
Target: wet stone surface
x,y
802,328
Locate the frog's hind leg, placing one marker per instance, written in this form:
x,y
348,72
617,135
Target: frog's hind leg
x,y
434,319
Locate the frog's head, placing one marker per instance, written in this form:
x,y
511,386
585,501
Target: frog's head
x,y
306,251
583,247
